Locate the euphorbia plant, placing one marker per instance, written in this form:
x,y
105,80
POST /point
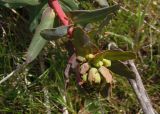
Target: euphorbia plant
x,y
92,65
72,26
90,62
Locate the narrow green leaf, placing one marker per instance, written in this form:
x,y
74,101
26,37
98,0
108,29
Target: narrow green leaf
x,y
35,14
11,5
38,42
54,33
82,42
88,16
115,55
65,7
24,2
69,5
121,69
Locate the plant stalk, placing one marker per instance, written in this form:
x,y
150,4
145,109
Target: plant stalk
x,y
140,91
138,86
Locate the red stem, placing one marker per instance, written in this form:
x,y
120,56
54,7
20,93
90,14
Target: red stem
x,y
54,4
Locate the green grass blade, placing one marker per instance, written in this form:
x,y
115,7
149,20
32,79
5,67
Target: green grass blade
x,y
38,42
122,37
104,23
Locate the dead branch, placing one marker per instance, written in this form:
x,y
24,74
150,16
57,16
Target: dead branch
x,y
140,91
137,85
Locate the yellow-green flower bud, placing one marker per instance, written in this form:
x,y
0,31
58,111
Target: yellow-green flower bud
x,y
106,62
81,59
92,74
90,56
97,78
84,77
99,64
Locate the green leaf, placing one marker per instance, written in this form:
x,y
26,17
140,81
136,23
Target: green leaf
x,y
69,5
18,3
54,33
35,14
24,2
88,16
82,42
11,5
114,55
38,42
121,69
104,23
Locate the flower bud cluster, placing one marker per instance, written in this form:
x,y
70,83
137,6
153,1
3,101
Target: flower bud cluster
x,y
90,71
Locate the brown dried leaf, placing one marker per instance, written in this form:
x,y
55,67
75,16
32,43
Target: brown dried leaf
x,y
72,61
106,74
84,68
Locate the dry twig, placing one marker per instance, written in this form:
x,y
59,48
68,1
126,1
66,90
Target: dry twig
x,y
138,86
